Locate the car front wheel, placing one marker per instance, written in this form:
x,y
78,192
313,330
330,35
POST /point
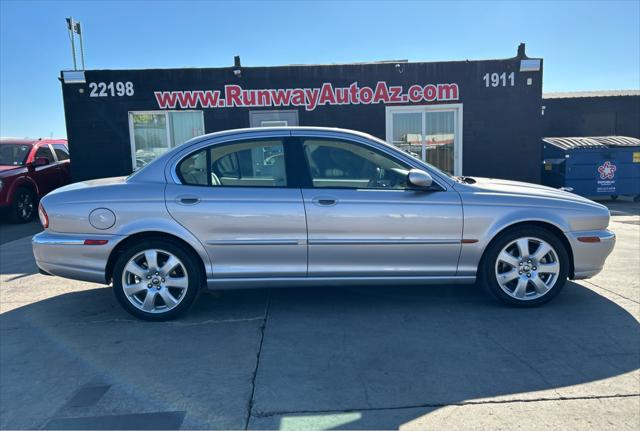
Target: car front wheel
x,y
24,206
526,267
156,279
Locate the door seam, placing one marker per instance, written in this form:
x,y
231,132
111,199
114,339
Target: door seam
x,y
306,224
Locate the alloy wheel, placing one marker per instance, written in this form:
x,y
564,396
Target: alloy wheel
x,y
527,268
25,206
155,281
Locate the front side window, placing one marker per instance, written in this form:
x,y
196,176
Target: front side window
x,y
243,164
340,164
45,153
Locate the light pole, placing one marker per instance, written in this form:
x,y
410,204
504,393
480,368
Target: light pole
x,y
74,28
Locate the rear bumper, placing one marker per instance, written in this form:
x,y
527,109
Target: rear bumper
x,y
589,257
65,255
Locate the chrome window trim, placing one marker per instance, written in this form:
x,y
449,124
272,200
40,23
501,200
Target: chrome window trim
x,y
224,139
382,146
283,133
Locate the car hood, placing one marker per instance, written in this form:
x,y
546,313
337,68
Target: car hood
x,y
519,188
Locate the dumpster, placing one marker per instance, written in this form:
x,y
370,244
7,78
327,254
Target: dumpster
x,y
593,166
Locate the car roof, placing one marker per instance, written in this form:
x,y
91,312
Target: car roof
x,y
259,130
32,141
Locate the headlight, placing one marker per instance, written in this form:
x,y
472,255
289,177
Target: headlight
x,y
1,184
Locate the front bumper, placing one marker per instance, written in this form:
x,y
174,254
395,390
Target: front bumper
x,y
65,255
589,257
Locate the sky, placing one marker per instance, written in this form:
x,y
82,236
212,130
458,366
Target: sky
x,y
585,45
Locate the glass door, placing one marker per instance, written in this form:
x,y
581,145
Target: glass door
x,y
432,133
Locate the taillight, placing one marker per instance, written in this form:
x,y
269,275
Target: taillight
x,y
44,218
95,241
589,239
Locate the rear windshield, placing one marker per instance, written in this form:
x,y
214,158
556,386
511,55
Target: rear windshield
x,y
14,154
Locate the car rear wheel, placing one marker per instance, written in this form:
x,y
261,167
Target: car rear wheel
x,y
526,267
156,279
24,206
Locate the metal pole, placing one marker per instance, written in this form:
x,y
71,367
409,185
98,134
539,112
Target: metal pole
x,y
73,45
79,31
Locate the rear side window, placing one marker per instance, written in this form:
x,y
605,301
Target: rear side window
x,y
61,152
258,163
45,152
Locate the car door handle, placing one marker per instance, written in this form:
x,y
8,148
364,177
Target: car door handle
x,y
325,201
188,200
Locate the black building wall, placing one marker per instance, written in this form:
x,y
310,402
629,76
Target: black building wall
x,y
501,124
592,116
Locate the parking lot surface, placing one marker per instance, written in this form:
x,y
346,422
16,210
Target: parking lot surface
x,y
354,358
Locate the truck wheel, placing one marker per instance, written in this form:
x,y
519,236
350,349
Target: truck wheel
x,y
614,197
636,198
525,267
24,205
157,279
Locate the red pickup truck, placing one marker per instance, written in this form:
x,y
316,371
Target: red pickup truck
x,y
29,169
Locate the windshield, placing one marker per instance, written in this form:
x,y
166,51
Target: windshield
x,y
14,154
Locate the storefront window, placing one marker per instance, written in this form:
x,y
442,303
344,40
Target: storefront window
x,y
427,132
440,132
150,137
154,133
185,125
407,132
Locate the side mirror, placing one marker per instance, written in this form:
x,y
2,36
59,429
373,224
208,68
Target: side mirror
x,y
41,161
419,178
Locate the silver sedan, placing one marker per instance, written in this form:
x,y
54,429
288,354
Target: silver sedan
x,y
313,206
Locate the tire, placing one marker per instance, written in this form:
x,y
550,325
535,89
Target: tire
x,y
614,197
532,285
636,198
134,279
24,204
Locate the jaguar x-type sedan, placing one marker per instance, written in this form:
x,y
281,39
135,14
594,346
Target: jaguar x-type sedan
x,y
312,206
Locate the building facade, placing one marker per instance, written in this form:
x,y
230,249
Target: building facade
x,y
478,118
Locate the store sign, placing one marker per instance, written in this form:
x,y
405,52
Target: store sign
x,y
606,177
309,98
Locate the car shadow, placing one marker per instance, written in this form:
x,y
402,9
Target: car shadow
x,y
12,231
386,356
16,260
375,358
